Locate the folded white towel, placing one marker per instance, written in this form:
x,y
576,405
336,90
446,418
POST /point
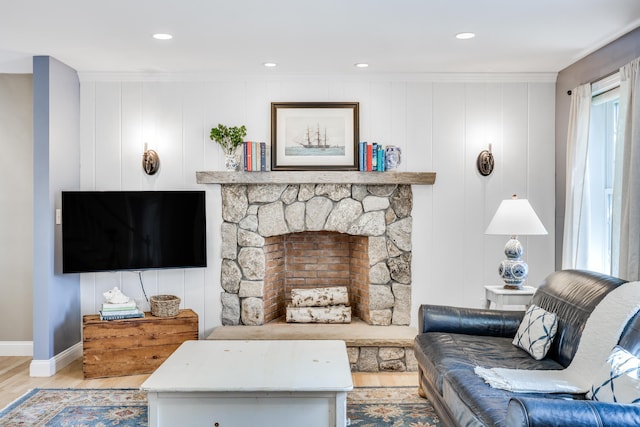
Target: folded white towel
x,y
601,333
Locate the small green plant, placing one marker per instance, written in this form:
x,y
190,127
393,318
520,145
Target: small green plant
x,y
229,138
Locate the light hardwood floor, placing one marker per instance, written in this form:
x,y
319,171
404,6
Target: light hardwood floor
x,y
15,379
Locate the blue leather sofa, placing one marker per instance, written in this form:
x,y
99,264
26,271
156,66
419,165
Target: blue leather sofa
x,y
452,341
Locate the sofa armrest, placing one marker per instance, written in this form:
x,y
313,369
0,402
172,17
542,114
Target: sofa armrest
x,y
539,412
471,321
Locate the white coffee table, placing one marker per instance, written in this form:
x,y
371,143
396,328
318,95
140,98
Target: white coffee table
x,y
245,383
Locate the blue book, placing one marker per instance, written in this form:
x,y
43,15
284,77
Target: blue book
x,y
245,155
134,314
362,156
374,157
263,156
256,156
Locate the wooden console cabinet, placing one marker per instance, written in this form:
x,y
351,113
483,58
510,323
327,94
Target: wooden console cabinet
x,y
133,346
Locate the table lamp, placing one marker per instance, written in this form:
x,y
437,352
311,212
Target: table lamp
x,y
514,217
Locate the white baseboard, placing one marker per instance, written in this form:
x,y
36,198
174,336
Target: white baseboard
x,y
48,368
16,348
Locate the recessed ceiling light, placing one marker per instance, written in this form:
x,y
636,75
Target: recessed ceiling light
x,y
361,65
162,36
465,36
270,64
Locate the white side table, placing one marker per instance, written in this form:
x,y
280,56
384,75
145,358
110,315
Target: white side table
x,y
502,297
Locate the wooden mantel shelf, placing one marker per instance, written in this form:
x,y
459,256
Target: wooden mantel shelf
x,y
315,177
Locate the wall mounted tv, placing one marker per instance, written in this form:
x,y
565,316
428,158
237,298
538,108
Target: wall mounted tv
x,y
132,230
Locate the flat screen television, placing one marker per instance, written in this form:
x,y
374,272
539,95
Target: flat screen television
x,y
132,230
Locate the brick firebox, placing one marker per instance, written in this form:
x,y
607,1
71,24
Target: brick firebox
x,y
316,259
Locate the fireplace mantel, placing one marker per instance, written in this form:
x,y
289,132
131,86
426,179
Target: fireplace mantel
x,y
315,177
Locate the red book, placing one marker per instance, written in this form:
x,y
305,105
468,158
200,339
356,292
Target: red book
x,y
249,157
369,157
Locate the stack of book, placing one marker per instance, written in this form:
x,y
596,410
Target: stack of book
x,y
256,156
125,310
371,157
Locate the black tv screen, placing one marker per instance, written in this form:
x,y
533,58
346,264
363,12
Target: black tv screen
x,y
132,230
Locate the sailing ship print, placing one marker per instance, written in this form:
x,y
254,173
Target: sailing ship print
x,y
309,139
315,137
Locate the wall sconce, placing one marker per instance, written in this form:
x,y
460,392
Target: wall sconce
x,y
150,161
485,162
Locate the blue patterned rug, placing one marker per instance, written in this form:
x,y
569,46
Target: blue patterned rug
x,y
366,407
390,406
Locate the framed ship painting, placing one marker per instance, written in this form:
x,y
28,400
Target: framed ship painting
x,y
314,136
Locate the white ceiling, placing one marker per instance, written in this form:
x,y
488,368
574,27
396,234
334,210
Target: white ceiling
x,y
302,36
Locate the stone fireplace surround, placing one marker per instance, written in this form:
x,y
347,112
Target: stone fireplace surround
x,y
370,348
254,214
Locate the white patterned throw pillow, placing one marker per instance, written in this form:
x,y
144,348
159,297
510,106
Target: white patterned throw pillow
x,y
536,332
618,380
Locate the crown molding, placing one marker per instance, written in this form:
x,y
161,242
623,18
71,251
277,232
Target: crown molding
x,y
535,77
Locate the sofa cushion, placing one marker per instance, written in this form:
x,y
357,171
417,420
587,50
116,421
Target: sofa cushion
x,y
439,352
618,380
466,393
536,332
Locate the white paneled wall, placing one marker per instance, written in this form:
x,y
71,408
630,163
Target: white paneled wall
x,y
441,124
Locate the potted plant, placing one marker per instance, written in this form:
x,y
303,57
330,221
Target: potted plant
x,y
229,138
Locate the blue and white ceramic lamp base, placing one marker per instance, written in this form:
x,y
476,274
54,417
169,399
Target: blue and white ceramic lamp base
x,y
513,270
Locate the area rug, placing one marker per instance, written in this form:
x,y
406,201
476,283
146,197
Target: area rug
x,y
366,407
389,406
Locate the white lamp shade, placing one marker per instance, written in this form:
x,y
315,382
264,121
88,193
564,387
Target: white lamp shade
x,y
515,217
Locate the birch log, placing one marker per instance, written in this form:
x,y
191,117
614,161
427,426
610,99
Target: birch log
x,y
333,314
319,297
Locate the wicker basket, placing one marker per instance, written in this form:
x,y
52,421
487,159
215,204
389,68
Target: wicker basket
x,y
165,305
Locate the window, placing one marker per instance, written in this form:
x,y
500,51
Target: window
x,y
600,164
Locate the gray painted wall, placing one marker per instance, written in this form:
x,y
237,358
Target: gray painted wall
x,y
16,200
593,67
56,124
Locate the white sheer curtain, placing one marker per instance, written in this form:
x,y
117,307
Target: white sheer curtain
x,y
577,217
626,187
